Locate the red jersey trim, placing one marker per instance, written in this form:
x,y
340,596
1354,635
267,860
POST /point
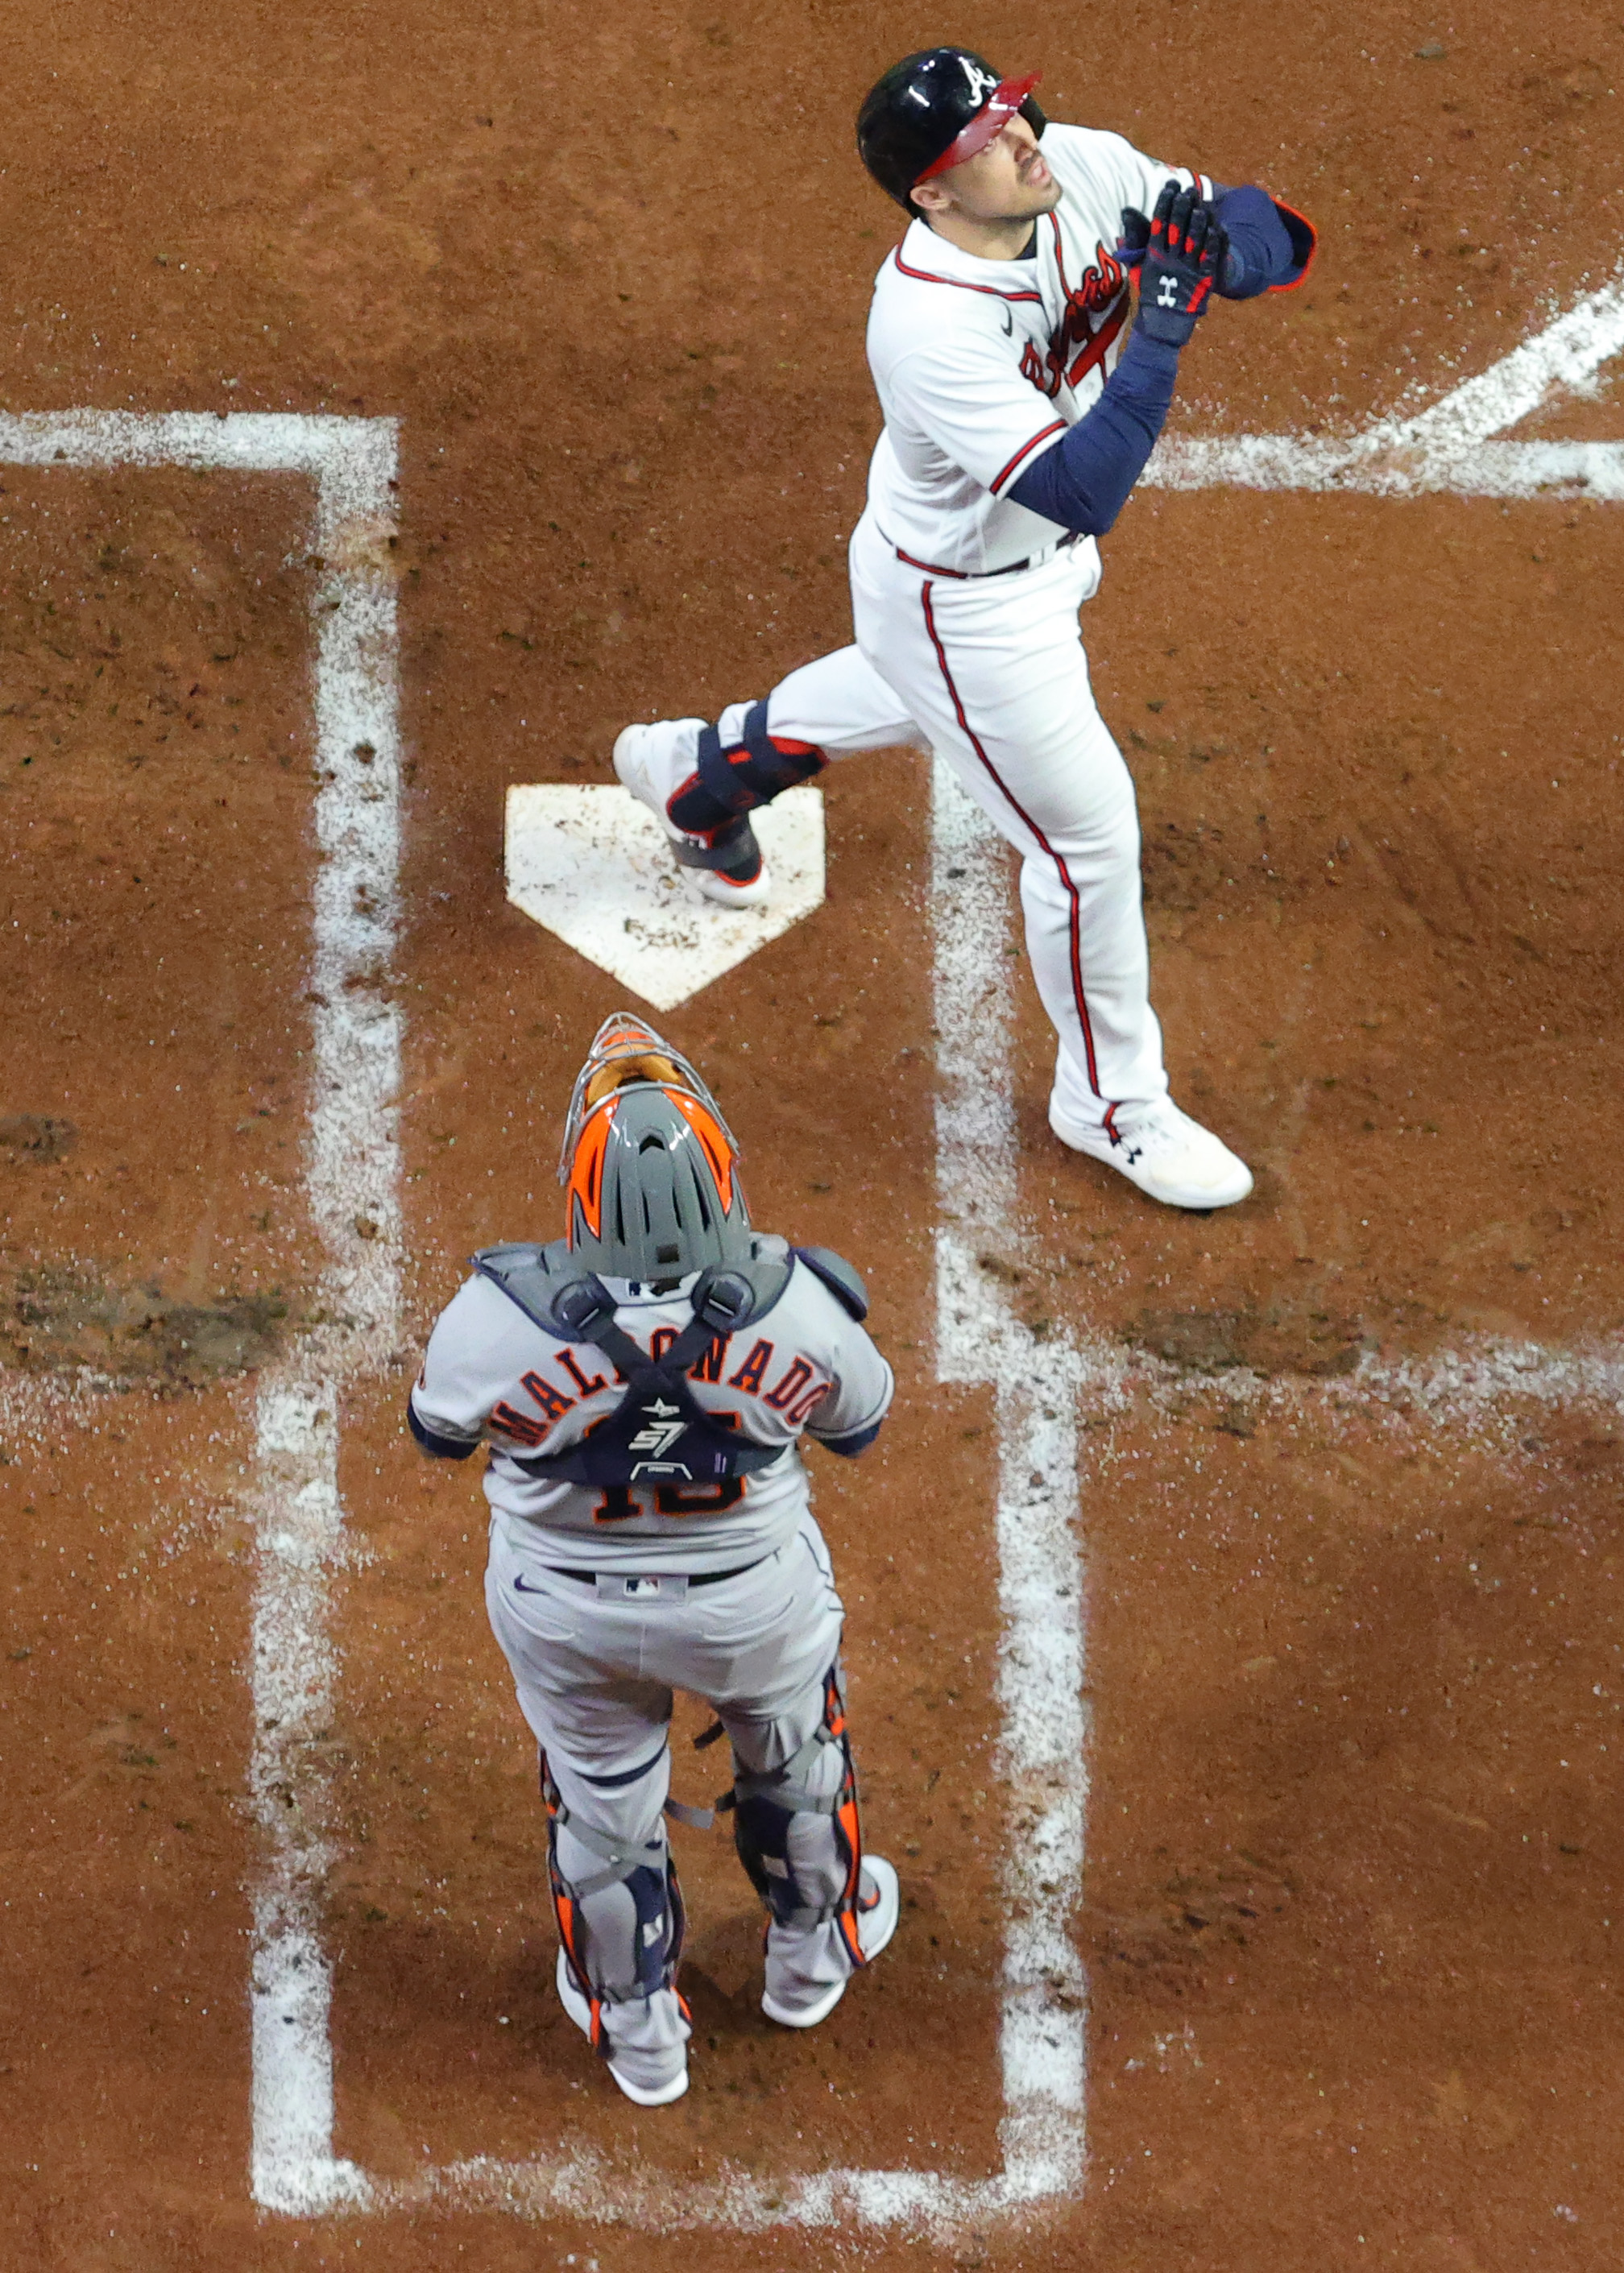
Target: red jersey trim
x,y
923,276
1025,451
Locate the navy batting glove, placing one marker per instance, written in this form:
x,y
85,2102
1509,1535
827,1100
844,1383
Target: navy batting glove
x,y
1232,277
1135,237
1183,261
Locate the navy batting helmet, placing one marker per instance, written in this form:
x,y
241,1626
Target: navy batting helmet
x,y
934,110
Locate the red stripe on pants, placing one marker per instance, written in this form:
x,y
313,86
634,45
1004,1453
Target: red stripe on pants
x,y
1061,869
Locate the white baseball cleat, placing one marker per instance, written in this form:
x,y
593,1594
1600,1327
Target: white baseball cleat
x,y
1163,1151
795,2002
651,2078
653,762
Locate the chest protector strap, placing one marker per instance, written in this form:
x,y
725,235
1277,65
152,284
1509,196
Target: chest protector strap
x,y
659,1432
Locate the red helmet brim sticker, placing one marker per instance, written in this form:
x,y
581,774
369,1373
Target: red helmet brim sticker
x,y
987,124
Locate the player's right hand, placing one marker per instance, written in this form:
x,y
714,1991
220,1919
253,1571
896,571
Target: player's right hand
x,y
1183,261
1135,236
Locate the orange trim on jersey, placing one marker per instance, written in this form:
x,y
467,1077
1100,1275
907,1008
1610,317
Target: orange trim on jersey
x,y
1025,451
959,283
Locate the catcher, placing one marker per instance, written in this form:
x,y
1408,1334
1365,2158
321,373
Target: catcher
x,y
642,1387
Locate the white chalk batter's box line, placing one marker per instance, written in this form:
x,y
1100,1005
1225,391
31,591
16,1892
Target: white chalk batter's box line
x,y
353,1171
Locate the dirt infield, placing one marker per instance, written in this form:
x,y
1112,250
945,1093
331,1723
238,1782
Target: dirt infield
x,y
1350,1454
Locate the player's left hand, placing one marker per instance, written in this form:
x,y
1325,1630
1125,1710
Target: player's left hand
x,y
1136,235
1182,262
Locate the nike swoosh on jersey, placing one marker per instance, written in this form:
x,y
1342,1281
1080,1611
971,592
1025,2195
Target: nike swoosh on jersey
x,y
519,1588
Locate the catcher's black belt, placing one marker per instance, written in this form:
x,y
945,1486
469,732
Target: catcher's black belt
x,y
705,1578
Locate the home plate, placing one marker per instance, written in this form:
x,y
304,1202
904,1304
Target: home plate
x,y
594,866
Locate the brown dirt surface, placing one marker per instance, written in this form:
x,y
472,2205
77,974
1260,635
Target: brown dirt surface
x,y
1354,1846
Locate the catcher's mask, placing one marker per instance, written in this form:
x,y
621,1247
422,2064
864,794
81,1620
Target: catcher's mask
x,y
649,1165
932,111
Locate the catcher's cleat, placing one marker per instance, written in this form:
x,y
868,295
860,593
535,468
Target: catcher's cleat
x,y
724,865
1168,1156
795,2003
650,2078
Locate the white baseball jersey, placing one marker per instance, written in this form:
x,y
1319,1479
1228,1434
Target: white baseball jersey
x,y
980,365
493,1375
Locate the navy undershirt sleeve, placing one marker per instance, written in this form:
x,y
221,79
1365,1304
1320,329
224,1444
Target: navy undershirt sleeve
x,y
1259,237
849,1446
438,1447
1083,482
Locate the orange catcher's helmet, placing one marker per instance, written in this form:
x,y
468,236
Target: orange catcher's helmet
x,y
649,1166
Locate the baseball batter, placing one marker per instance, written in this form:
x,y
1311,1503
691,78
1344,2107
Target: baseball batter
x,y
1020,405
643,1387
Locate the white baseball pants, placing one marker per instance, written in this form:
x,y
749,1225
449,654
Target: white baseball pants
x,y
989,671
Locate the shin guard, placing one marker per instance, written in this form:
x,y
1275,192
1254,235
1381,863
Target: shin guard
x,y
797,1831
625,1947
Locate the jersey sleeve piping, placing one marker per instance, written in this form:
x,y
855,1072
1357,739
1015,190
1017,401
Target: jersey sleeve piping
x,y
1009,471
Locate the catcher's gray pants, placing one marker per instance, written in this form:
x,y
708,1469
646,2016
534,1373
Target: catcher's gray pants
x,y
595,1678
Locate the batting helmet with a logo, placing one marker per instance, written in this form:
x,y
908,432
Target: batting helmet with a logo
x,y
933,111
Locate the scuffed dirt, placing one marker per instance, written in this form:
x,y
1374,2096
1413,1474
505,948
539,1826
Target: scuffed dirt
x,y
33,1139
58,1321
1279,1340
1196,1920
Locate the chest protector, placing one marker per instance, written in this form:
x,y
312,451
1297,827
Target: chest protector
x,y
659,1432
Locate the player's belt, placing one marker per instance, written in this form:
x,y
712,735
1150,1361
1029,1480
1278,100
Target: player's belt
x,y
704,1579
975,575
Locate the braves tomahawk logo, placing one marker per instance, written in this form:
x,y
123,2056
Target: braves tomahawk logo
x,y
1095,310
983,84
